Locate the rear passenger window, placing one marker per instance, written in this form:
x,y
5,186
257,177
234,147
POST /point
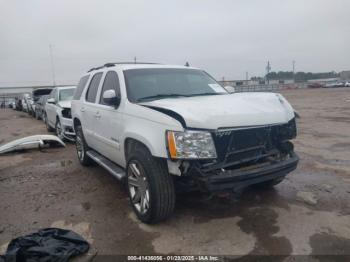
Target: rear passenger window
x,y
80,87
111,82
92,91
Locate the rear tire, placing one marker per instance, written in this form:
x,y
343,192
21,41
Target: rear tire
x,y
154,199
82,147
37,116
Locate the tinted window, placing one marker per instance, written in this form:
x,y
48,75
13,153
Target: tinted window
x,y
151,83
111,82
92,91
80,87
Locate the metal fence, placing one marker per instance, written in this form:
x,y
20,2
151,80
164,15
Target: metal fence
x,y
267,87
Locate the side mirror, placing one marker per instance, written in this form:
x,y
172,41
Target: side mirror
x,y
51,100
230,89
110,98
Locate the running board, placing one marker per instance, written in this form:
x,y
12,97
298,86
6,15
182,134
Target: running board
x,y
112,168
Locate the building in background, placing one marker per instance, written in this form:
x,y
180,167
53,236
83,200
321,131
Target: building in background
x,y
345,75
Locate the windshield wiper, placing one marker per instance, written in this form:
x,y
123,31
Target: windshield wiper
x,y
160,96
208,94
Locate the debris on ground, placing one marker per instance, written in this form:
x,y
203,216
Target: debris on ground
x,y
49,244
29,142
307,197
328,188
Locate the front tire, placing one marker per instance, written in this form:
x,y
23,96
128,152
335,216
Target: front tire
x,y
59,130
48,127
150,186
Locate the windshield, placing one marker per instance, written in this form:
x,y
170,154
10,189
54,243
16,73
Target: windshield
x,y
66,94
40,92
156,83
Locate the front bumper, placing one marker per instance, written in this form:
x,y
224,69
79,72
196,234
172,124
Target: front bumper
x,y
240,178
67,126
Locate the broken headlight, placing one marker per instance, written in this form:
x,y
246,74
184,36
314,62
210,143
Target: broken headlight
x,y
66,113
190,145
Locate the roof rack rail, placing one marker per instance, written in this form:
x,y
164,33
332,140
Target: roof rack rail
x,y
121,63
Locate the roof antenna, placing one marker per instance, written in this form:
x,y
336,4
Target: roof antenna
x,y
135,60
187,64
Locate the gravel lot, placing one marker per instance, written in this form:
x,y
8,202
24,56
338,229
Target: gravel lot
x,y
309,213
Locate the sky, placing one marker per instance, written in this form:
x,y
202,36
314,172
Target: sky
x,y
227,38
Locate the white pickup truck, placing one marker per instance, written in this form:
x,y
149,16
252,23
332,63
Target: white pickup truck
x,y
163,128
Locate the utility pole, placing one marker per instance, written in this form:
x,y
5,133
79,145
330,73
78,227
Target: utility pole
x,y
293,67
293,71
246,76
52,66
268,69
135,59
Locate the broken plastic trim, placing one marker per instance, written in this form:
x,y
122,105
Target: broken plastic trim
x,y
37,141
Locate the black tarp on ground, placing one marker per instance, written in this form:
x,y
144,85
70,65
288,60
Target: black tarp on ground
x,y
49,244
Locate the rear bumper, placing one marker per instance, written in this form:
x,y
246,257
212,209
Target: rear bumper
x,y
239,179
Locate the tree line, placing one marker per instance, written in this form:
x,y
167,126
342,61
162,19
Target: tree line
x,y
299,76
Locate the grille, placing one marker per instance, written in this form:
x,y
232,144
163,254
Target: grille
x,y
252,143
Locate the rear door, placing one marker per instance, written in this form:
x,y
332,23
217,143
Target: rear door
x,y
88,110
109,121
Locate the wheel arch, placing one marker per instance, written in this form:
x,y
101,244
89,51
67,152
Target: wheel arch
x,y
131,143
76,122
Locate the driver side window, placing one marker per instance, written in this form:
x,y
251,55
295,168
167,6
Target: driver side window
x,y
111,82
53,94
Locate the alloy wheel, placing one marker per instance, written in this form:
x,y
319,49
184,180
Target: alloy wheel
x,y
138,187
80,146
59,131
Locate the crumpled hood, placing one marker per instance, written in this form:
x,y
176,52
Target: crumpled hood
x,y
232,110
65,104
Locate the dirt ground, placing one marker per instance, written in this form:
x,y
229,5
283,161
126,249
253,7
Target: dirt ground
x,y
307,214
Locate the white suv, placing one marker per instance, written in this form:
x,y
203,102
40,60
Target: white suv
x,y
57,115
164,128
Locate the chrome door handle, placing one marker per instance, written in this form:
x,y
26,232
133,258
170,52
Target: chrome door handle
x,y
82,109
97,115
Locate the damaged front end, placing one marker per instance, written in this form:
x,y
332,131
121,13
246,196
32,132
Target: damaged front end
x,y
245,156
67,124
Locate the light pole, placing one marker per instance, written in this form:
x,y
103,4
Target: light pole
x,y
52,66
268,69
